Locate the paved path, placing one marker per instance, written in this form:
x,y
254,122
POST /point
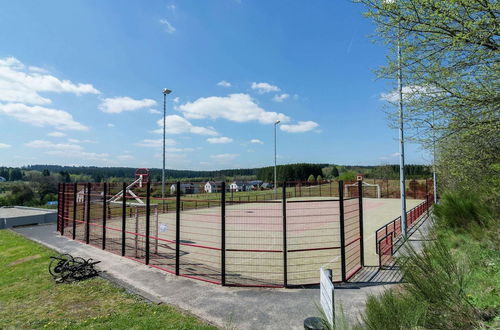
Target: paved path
x,y
239,308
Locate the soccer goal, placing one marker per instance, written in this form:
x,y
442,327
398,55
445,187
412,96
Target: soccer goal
x,y
352,187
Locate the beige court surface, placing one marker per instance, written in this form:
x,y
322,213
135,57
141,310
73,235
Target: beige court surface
x,y
378,212
254,239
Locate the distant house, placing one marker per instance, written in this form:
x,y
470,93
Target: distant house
x,y
213,187
266,185
238,186
256,183
2,179
185,188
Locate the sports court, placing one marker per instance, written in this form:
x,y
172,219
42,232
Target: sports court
x,y
270,243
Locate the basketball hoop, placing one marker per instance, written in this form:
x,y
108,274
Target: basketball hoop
x,y
142,174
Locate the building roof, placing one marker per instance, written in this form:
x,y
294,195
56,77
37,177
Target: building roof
x,y
20,211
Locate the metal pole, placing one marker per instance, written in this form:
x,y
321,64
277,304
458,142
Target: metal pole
x,y
361,230
104,193
75,188
342,230
275,182
148,222
401,138
285,247
163,168
63,207
177,227
87,222
223,233
124,216
434,176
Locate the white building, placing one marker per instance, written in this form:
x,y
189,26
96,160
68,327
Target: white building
x,y
186,188
213,187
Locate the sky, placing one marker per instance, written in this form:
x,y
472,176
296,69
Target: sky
x,y
81,84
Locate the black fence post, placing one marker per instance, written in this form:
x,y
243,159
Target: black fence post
x,y
361,232
148,214
75,209
177,227
59,204
342,230
87,221
104,197
223,233
124,215
63,209
285,247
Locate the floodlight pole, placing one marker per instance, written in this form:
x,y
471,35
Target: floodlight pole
x,y
165,92
276,123
401,138
434,176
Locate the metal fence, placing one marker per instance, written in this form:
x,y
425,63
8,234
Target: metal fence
x,y
253,238
388,238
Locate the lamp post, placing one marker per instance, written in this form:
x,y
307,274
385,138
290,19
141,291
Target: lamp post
x,y
165,93
276,123
402,185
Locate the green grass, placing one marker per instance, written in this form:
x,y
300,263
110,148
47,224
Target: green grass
x,y
29,298
455,281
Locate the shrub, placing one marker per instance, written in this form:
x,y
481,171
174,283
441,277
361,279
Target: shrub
x,y
394,310
437,278
463,210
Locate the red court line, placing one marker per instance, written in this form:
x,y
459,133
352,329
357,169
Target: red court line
x,y
250,250
315,249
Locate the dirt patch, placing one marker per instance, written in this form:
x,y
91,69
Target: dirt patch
x,y
20,261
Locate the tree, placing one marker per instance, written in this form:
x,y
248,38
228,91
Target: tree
x,y
45,172
451,74
319,178
335,172
311,178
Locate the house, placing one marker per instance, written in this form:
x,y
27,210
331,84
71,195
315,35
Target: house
x,y
266,185
185,188
213,187
238,186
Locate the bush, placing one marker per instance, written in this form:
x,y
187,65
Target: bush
x,y
463,210
437,278
394,310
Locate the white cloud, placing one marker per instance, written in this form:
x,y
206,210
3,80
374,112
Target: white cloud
x,y
235,107
171,7
4,145
67,150
300,127
264,87
224,157
221,139
124,103
168,27
156,143
19,84
256,141
280,97
223,83
110,125
177,125
155,112
43,144
41,116
390,156
176,99
81,141
56,134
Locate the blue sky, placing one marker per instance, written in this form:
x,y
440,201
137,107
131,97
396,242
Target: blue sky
x,y
81,84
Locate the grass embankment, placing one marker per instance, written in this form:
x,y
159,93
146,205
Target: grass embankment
x,y
29,298
454,282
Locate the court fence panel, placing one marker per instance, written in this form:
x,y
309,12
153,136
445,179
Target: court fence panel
x,y
271,238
